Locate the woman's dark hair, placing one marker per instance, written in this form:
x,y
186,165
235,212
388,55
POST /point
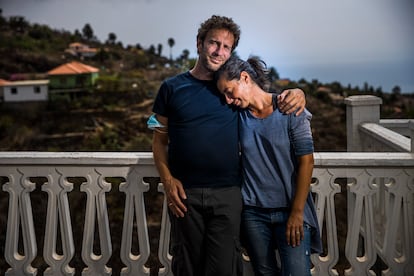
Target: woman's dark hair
x,y
254,66
219,22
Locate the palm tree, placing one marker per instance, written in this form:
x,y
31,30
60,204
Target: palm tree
x,y
171,43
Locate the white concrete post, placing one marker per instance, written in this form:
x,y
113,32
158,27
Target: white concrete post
x,y
411,127
360,109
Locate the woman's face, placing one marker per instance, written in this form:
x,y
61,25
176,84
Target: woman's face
x,y
235,91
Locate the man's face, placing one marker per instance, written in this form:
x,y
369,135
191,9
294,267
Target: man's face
x,y
216,49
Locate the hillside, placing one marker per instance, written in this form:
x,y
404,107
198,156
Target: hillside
x,y
113,116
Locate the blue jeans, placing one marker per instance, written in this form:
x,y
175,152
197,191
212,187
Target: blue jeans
x,y
264,232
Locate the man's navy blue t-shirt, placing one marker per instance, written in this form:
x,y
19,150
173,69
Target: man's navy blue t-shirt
x,y
203,132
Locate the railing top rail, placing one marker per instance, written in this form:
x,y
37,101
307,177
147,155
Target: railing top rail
x,y
364,159
76,158
387,136
403,122
336,159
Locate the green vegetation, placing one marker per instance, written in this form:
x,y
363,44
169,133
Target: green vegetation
x,y
112,117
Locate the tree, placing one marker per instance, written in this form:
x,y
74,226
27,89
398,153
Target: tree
x,y
366,87
183,59
111,38
379,92
18,24
273,74
40,32
87,32
396,90
102,55
2,19
151,49
159,49
185,54
77,34
336,88
171,43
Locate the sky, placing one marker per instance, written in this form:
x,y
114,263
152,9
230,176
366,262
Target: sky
x,y
352,42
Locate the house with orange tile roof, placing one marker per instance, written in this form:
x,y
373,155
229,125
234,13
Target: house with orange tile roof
x,y
81,50
23,91
72,77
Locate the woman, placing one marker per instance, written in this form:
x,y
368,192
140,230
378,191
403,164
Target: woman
x,y
277,161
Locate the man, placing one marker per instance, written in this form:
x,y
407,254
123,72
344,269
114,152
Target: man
x,y
196,151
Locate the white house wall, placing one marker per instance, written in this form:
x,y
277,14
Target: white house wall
x,y
25,93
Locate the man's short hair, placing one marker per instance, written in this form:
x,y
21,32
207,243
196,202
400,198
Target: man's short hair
x,y
219,22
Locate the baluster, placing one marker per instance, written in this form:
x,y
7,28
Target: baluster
x,y
96,211
360,211
134,189
399,226
20,213
57,189
325,189
164,246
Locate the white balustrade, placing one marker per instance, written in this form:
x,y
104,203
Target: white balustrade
x,y
380,193
19,167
